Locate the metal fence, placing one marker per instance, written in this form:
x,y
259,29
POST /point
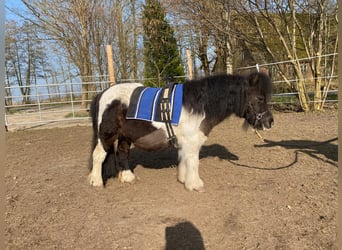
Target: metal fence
x,y
61,103
48,104
46,108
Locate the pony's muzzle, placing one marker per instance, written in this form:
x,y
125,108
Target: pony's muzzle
x,y
267,121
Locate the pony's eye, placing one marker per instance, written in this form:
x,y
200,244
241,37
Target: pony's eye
x,y
260,98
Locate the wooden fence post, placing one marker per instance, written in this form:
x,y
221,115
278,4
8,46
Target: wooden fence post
x,y
189,61
112,79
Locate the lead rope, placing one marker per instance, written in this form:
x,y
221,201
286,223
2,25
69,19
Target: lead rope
x,y
258,117
259,135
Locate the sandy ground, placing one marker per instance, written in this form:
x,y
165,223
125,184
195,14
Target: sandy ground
x,y
278,194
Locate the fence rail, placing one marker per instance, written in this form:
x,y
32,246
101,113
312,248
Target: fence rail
x,y
43,110
41,104
48,103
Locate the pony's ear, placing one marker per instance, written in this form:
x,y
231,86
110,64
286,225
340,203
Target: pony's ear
x,y
254,79
261,82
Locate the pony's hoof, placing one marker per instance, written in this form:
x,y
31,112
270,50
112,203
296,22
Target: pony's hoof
x,y
181,180
181,175
197,186
126,176
95,182
200,190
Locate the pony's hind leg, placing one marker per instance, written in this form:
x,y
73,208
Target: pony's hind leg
x,y
95,176
123,150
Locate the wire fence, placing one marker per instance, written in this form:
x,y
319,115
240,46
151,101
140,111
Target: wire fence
x,y
60,103
49,103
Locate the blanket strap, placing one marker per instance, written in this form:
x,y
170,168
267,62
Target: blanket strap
x,y
165,110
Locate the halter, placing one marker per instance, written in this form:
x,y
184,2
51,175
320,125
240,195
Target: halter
x,y
258,116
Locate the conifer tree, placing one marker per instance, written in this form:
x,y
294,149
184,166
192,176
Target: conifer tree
x,y
161,56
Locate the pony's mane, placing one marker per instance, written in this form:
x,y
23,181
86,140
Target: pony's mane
x,y
216,96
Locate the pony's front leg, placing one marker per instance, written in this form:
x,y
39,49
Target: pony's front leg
x,y
188,168
192,178
125,174
95,176
181,168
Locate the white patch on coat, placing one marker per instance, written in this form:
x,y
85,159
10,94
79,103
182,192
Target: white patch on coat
x,y
95,176
190,139
126,176
121,92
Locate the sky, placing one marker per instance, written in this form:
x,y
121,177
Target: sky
x,y
15,5
18,6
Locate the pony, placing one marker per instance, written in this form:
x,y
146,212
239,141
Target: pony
x,y
205,103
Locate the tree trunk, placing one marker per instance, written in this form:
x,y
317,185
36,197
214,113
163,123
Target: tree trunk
x,y
229,59
300,87
202,43
228,40
122,42
135,40
303,98
318,81
318,84
86,64
84,96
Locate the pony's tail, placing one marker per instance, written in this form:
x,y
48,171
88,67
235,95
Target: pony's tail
x,y
108,166
94,112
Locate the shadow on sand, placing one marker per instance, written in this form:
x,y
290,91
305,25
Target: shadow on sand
x,y
314,149
184,235
169,157
325,151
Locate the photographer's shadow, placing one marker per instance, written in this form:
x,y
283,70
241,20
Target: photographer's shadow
x,y
183,236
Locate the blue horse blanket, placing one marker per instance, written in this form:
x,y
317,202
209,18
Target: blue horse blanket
x,y
145,103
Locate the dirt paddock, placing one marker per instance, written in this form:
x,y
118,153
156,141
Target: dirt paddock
x,y
278,194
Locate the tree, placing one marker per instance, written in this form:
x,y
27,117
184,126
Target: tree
x,y
161,55
126,31
25,56
299,26
246,30
69,23
83,28
209,23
